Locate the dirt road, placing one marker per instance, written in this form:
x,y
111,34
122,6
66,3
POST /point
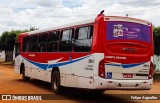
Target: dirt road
x,y
11,83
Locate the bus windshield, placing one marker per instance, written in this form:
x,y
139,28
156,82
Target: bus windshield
x,y
121,30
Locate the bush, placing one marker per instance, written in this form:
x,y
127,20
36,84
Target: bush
x,y
156,76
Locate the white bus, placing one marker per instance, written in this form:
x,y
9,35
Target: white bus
x,y
108,52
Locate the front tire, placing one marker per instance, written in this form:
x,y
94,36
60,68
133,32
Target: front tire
x,y
24,77
56,87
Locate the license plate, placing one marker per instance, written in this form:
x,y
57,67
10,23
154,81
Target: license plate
x,y
127,75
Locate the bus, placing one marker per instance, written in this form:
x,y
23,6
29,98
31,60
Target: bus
x,y
107,52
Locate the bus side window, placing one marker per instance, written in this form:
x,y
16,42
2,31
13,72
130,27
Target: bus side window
x,y
33,43
42,42
25,45
53,41
66,44
83,39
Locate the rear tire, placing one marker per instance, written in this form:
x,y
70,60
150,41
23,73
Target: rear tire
x,y
24,77
56,87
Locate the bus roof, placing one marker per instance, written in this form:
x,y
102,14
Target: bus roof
x,y
87,21
127,19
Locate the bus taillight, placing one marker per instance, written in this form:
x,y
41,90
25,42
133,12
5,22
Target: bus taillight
x,y
101,69
150,71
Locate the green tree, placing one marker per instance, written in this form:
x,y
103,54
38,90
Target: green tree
x,y
8,40
156,36
4,43
33,29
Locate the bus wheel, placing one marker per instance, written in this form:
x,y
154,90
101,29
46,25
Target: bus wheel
x,y
56,88
24,77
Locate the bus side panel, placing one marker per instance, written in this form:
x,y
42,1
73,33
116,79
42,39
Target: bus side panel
x,y
29,69
83,67
86,83
63,79
32,70
84,70
17,64
98,57
90,83
80,67
48,75
98,82
65,71
72,81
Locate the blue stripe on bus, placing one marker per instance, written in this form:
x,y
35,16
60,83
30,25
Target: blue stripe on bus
x,y
130,65
45,66
126,65
65,63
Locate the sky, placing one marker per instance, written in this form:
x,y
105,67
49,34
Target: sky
x,y
42,14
